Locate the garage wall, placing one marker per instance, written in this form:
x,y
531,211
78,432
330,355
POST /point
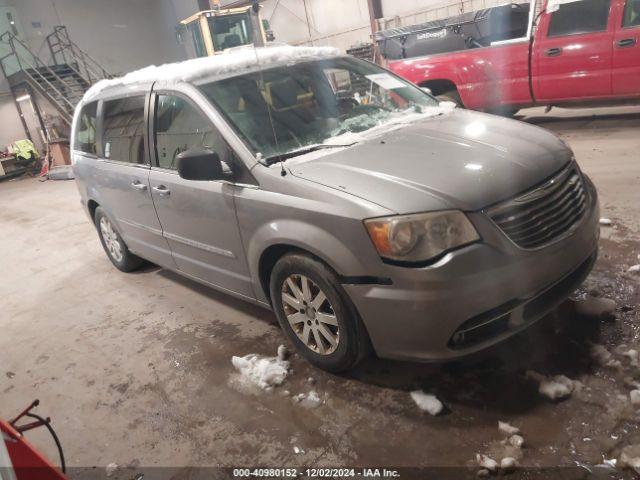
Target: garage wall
x,y
344,23
121,34
10,124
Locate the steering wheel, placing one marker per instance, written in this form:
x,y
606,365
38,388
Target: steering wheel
x,y
349,101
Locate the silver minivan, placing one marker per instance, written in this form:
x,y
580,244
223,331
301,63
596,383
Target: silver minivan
x,y
364,213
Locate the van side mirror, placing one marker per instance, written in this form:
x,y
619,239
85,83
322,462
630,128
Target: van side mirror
x,y
202,164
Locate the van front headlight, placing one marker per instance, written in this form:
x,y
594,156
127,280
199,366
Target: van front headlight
x,y
420,237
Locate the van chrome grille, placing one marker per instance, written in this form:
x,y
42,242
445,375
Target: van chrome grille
x,y
544,214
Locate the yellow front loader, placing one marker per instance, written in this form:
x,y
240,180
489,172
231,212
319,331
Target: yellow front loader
x,y
210,32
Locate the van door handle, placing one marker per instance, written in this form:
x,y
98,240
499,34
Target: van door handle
x,y
553,52
626,42
138,185
162,190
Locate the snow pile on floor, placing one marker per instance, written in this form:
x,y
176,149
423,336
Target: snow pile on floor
x,y
507,428
427,402
608,462
265,372
508,464
630,458
111,469
555,387
512,432
632,355
509,450
484,461
516,441
634,269
595,306
603,356
230,62
308,400
605,221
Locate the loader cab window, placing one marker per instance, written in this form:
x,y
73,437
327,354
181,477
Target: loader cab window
x,y
230,31
123,124
85,133
582,16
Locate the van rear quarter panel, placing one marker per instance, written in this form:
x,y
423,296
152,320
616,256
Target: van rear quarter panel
x,y
84,173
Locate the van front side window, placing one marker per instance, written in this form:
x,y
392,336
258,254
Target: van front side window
x,y
179,126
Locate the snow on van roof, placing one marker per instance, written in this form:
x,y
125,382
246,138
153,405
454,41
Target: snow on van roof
x,y
230,62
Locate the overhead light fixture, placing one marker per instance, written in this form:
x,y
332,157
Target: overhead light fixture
x,y
22,98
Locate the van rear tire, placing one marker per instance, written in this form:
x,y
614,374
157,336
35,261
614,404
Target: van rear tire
x,y
114,245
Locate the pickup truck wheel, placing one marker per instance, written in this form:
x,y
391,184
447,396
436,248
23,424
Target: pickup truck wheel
x,y
113,245
505,111
451,96
316,313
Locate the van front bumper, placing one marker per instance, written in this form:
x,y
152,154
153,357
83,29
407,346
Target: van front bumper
x,y
477,296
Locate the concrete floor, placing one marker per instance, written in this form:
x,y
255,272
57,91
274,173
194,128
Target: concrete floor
x,y
135,368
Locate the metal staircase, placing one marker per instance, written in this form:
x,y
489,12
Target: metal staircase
x,y
65,52
62,81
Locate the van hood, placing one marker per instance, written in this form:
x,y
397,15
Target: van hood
x,y
463,160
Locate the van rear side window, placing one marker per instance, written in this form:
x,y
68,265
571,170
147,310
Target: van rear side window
x,y
85,134
123,136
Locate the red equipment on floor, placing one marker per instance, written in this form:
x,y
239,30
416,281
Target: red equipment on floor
x,y
19,460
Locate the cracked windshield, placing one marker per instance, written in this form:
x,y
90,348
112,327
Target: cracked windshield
x,y
285,111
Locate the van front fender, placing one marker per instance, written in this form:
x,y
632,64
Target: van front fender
x,y
278,237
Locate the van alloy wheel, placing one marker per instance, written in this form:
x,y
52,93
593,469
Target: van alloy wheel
x,y
310,314
111,239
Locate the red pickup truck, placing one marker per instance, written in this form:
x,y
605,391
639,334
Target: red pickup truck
x,y
574,52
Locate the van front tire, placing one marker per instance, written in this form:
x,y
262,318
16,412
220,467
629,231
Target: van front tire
x,y
114,245
316,314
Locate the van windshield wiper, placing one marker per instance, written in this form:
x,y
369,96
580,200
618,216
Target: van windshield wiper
x,y
302,151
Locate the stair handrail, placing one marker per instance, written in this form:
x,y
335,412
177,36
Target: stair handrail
x,y
91,66
70,65
11,41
